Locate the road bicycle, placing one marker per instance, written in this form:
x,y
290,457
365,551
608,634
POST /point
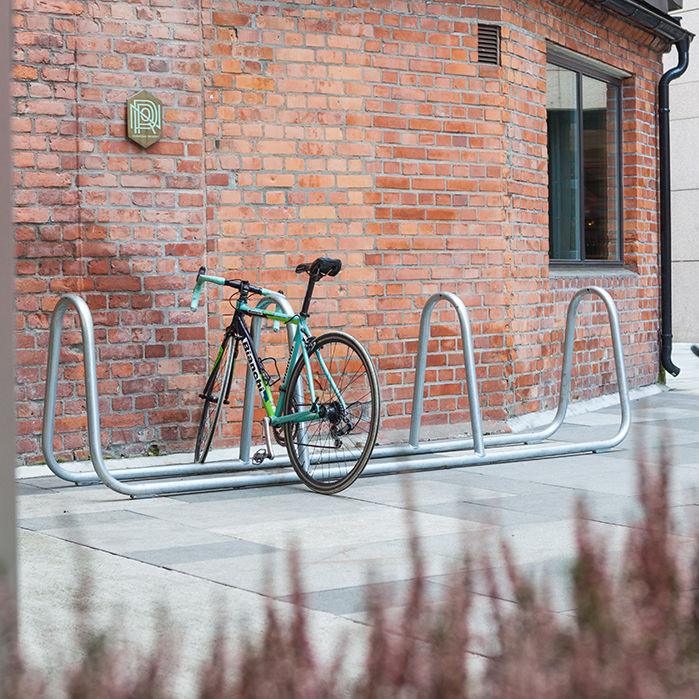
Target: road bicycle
x,y
327,409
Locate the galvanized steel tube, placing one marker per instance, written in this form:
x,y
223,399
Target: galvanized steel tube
x,y
249,400
469,365
405,457
159,471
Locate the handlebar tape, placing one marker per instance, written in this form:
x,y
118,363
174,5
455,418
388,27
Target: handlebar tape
x,y
195,296
201,278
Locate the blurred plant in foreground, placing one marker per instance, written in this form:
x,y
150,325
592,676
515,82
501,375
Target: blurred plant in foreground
x,y
634,635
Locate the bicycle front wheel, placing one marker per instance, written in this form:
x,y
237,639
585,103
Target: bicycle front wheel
x,y
330,451
214,395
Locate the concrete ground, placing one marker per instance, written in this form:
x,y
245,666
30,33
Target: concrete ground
x,y
215,556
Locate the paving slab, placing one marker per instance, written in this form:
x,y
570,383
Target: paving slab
x,y
225,554
64,587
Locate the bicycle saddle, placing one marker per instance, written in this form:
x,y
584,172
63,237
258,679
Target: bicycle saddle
x,y
321,267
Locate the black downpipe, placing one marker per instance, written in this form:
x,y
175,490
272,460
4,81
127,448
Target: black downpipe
x,y
665,217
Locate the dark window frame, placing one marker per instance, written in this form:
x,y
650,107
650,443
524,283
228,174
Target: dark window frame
x,y
583,69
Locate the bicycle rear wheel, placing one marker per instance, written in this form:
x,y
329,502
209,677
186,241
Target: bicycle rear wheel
x,y
214,395
329,453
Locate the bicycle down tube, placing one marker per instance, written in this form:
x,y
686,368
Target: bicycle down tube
x,y
238,333
273,410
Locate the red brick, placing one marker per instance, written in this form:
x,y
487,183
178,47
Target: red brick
x,y
231,19
380,141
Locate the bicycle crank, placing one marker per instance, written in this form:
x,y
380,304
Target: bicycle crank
x,y
261,454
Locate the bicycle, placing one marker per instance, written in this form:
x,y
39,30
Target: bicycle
x,y
327,409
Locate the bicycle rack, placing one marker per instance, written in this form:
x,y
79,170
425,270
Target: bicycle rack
x,y
412,456
101,473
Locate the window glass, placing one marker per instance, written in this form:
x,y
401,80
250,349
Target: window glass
x,y
583,163
599,117
564,168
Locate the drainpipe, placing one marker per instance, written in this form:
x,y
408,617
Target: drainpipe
x,y
665,219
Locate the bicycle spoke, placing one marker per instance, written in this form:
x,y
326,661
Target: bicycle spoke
x,y
330,452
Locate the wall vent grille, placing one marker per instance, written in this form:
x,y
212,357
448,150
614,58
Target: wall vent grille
x,y
489,44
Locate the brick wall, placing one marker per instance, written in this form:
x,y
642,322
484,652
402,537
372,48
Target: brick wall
x,y
99,216
362,129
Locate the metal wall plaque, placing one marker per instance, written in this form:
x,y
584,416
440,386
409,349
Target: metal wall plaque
x,y
144,118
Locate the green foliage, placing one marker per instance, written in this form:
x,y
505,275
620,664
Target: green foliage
x,y
153,450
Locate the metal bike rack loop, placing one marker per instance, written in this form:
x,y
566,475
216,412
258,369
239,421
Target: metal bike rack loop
x,y
531,441
114,476
414,455
539,435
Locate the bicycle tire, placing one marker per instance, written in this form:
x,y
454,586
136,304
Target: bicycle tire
x,y
329,453
214,395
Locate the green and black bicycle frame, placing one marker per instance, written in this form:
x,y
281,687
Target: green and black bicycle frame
x,y
302,348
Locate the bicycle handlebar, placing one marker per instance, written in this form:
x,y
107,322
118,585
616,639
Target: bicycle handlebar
x,y
203,277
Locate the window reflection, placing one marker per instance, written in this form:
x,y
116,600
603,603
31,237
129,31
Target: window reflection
x,y
600,158
583,150
564,183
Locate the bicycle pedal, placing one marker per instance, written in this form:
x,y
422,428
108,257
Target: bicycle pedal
x,y
259,456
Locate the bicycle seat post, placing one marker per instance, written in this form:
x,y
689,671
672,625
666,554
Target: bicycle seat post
x,y
316,270
312,279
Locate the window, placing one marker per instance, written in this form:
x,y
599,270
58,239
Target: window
x,y
583,118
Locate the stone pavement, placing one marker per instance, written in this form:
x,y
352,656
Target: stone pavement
x,y
222,555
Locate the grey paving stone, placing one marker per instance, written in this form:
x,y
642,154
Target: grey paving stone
x,y
242,494
416,490
596,419
550,578
199,552
350,600
656,435
490,477
121,532
81,519
51,482
26,489
363,525
493,513
663,406
238,542
264,572
585,433
536,543
126,602
593,472
679,453
279,508
686,519
339,566
480,623
610,508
